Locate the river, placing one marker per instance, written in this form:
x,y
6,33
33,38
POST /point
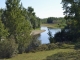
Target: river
x,y
44,36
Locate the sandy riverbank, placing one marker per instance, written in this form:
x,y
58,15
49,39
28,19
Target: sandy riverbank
x,y
35,32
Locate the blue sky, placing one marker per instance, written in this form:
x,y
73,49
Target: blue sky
x,y
42,8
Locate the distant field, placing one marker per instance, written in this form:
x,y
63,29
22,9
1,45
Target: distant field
x,y
39,55
54,25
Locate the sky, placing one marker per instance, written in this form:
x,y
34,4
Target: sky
x,y
42,8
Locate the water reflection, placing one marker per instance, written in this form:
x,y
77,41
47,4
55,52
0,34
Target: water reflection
x,y
44,36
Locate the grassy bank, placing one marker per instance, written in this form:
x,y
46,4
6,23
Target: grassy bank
x,y
39,55
54,25
74,55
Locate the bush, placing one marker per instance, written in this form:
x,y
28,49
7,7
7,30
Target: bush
x,y
45,47
8,48
77,46
34,44
68,46
65,56
64,45
65,36
52,46
21,48
42,47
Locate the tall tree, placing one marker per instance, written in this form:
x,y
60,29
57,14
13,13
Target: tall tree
x,y
35,22
18,26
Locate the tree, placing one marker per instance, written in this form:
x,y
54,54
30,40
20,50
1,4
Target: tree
x,y
16,23
30,9
72,15
39,22
50,37
50,20
71,11
3,31
71,32
35,22
6,45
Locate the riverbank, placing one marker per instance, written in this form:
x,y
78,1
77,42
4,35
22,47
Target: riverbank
x,y
54,25
36,32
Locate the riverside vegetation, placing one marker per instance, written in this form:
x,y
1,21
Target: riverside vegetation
x,y
17,22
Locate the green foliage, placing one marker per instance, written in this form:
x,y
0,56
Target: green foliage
x,y
50,37
8,48
65,46
23,37
43,47
3,31
54,20
35,21
33,44
72,16
65,35
16,23
30,10
50,20
65,56
44,21
52,46
77,45
1,12
14,19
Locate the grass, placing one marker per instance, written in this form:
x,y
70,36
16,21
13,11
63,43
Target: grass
x,y
39,55
74,55
54,25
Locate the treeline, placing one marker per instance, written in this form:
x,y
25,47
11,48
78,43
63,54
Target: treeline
x,y
16,23
53,20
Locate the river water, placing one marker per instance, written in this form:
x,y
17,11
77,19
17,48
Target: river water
x,y
44,37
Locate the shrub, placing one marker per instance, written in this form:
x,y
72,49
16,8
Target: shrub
x,y
77,46
45,47
8,48
33,44
65,56
21,48
52,46
42,47
65,46
65,36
